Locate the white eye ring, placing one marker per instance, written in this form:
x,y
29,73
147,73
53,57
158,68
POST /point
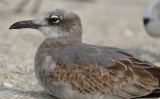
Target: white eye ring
x,y
55,18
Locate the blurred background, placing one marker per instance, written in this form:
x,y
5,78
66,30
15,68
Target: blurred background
x,y
116,23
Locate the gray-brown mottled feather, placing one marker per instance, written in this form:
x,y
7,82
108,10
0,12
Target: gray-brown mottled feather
x,y
106,70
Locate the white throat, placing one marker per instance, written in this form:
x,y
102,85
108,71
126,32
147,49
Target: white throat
x,y
51,32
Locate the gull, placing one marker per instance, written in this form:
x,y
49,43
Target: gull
x,y
67,68
151,18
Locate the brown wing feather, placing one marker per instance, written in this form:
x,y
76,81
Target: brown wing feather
x,y
122,78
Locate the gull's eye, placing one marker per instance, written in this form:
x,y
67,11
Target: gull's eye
x,y
54,19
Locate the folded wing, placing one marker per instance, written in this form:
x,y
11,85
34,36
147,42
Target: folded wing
x,y
91,69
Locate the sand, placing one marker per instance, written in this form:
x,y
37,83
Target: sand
x,y
116,23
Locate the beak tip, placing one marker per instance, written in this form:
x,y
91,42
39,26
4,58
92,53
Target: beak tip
x,y
14,26
11,27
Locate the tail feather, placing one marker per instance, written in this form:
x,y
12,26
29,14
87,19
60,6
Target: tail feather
x,y
155,71
154,94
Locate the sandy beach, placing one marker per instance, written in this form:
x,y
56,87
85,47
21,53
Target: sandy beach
x,y
116,23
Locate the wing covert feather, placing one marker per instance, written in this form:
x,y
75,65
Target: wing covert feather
x,y
122,78
105,70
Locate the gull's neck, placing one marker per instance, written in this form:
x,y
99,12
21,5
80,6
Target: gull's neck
x,y
62,41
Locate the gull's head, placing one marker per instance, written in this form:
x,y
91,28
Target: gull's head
x,y
54,23
151,18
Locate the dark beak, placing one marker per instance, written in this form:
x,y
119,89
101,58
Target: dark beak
x,y
24,24
146,21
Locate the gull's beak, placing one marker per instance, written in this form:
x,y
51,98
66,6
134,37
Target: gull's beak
x,y
24,24
146,21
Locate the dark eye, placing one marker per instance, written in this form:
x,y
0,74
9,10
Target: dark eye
x,y
54,19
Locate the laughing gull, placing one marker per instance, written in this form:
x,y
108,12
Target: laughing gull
x,y
152,18
69,69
